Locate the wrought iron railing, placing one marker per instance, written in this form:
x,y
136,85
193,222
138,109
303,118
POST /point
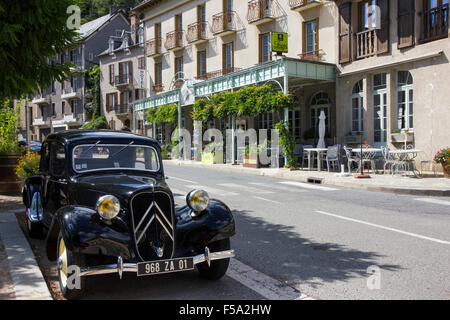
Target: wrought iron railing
x,y
197,31
260,9
157,88
217,73
315,55
435,23
174,40
299,3
153,46
122,79
223,22
366,43
122,108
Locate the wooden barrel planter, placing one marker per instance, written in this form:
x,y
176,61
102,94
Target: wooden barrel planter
x,y
10,184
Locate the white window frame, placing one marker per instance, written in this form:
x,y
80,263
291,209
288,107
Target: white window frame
x,y
360,97
382,116
406,88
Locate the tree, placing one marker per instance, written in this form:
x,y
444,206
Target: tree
x,y
32,34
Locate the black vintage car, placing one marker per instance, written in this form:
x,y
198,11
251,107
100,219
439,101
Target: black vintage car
x,y
103,204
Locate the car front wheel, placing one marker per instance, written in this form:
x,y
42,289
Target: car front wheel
x,y
72,285
218,268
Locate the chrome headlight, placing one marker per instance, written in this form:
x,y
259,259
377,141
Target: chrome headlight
x,y
197,200
108,207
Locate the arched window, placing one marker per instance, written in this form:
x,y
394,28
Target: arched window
x,y
357,107
405,100
320,101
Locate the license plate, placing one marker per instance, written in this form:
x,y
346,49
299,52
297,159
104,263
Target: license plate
x,y
165,266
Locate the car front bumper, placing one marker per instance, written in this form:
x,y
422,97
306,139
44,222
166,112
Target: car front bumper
x,y
121,267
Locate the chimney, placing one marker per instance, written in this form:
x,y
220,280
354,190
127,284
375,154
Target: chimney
x,y
134,26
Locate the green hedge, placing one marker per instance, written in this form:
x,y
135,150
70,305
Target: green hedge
x,y
163,114
248,101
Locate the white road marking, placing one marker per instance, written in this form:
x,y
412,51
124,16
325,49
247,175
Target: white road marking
x,y
262,284
308,186
385,228
274,186
179,179
213,190
273,201
244,188
436,201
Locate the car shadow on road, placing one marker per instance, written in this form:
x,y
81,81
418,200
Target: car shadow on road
x,y
281,252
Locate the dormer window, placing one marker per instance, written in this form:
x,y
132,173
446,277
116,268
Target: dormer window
x,y
125,43
111,46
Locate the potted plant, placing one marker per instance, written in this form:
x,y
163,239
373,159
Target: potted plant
x,y
251,156
443,157
402,136
10,151
28,165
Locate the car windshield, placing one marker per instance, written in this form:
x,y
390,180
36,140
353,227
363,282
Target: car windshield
x,y
97,156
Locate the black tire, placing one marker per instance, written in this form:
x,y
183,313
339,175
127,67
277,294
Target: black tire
x,y
218,268
34,229
73,259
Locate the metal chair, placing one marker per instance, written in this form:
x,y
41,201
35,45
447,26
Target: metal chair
x,y
333,156
350,158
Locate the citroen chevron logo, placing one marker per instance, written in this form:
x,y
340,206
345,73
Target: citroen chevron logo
x,y
160,218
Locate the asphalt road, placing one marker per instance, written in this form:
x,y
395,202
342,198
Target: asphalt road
x,y
301,241
329,242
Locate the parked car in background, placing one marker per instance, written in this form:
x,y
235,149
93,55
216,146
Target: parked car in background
x,y
103,204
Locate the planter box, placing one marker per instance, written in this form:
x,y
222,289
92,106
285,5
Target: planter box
x,y
10,184
400,137
251,162
210,158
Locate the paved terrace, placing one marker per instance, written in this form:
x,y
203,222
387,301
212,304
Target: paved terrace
x,y
430,185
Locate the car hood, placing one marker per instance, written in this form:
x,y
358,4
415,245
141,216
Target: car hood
x,y
121,185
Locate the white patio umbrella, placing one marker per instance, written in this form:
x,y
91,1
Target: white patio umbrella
x,y
322,118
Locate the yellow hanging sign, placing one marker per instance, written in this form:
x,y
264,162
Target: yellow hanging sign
x,y
279,42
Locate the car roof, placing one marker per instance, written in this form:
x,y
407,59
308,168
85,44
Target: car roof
x,y
105,136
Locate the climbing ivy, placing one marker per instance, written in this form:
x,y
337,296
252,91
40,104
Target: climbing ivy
x,y
163,114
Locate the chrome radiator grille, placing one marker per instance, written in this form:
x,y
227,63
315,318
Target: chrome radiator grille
x,y
153,225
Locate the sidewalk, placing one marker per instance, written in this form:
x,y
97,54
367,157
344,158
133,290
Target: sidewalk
x,y
429,186
21,277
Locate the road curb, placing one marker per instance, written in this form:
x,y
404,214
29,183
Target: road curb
x,y
26,276
286,174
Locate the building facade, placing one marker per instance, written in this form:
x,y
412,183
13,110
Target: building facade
x,y
122,68
374,67
61,107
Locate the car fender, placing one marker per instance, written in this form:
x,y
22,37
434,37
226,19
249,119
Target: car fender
x,y
214,224
31,186
84,231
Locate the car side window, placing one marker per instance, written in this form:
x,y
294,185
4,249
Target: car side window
x,y
57,160
44,163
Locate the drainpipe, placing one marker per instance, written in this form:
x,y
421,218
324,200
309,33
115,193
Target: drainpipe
x,y
285,91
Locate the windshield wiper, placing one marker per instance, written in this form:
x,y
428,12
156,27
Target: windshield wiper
x,y
115,154
91,147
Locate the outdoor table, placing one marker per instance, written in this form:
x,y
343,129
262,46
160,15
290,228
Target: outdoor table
x,y
404,156
319,151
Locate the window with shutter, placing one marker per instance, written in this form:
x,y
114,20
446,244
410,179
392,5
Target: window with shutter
x,y
383,32
345,18
405,23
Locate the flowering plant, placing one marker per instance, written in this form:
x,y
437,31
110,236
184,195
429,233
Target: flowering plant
x,y
28,165
443,157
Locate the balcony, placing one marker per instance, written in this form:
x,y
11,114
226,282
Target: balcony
x,y
153,47
78,65
224,23
217,73
196,33
122,109
316,55
70,94
158,88
174,41
434,23
366,43
43,99
260,11
302,5
122,81
73,118
39,122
